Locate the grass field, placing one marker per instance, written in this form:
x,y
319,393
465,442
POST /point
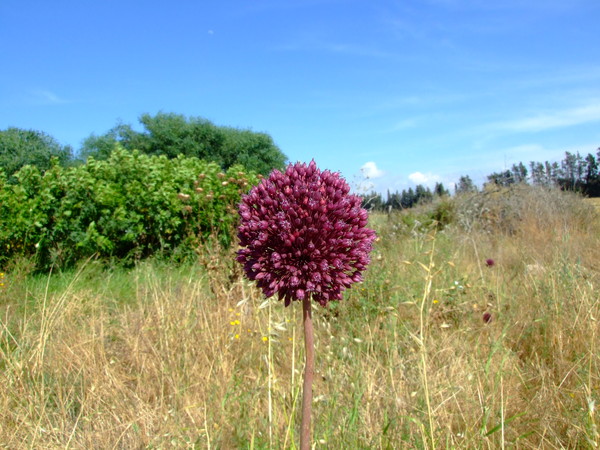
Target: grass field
x,y
438,348
595,202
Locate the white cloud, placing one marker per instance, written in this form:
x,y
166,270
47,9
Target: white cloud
x,y
370,170
46,97
421,178
557,119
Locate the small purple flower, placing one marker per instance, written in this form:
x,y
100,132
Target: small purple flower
x,y
490,262
487,317
302,234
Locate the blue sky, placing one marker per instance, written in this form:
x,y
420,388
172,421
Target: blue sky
x,y
413,91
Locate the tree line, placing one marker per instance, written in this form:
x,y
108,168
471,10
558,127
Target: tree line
x,y
172,135
575,173
165,134
403,200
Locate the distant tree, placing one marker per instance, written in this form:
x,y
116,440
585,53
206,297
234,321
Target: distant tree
x,y
464,185
423,194
255,151
553,172
519,173
394,201
579,168
100,147
569,170
591,172
591,185
174,134
538,174
505,178
574,172
19,147
440,191
372,201
408,198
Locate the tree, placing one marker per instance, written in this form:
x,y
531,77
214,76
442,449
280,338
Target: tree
x,y
591,173
255,151
505,178
539,175
553,172
569,169
408,198
19,147
174,134
465,184
422,194
372,201
592,177
100,147
519,173
440,191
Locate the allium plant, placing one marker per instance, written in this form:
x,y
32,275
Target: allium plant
x,y
304,237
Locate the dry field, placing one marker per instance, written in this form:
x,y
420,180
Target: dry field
x,y
595,202
482,335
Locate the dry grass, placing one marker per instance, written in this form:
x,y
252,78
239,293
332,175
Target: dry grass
x,y
595,202
166,357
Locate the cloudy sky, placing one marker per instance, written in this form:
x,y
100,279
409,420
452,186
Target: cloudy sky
x,y
389,93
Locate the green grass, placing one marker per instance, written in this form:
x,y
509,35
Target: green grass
x,y
164,356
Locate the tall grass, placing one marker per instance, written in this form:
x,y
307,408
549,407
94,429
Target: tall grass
x,y
192,356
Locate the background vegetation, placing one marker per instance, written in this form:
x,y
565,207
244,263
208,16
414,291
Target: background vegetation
x,y
573,173
479,333
167,134
173,135
476,326
126,195
127,207
19,148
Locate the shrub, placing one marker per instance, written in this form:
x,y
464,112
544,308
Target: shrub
x,y
128,207
511,210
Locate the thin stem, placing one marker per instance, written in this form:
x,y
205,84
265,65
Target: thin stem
x,y
270,369
309,370
423,335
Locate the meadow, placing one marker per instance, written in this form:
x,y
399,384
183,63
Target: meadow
x,y
477,326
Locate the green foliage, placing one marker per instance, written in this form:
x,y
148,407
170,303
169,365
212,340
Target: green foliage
x,y
174,134
465,185
129,206
255,151
20,147
444,212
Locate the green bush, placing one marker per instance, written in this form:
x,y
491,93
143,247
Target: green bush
x,y
444,212
128,207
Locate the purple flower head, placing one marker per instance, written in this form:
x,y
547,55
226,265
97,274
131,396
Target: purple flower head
x,y
490,262
302,234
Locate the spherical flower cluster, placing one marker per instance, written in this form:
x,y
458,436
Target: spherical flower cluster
x,y
302,234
